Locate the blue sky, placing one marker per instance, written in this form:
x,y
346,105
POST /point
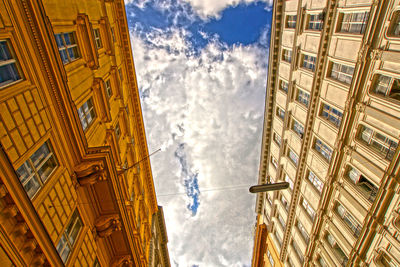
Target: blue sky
x,y
201,67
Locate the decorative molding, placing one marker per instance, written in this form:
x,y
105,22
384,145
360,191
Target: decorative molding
x,y
86,37
89,172
101,100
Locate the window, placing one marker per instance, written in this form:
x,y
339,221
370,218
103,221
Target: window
x,y
108,88
281,221
274,162
280,113
8,66
289,180
323,150
34,172
354,22
284,86
278,238
277,139
298,251
315,21
298,128
303,232
349,220
271,260
309,62
331,114
121,77
386,86
287,55
303,97
310,211
342,73
293,157
291,21
378,142
113,34
97,39
269,199
337,251
362,184
316,182
395,24
68,238
285,203
117,131
322,262
87,114
67,46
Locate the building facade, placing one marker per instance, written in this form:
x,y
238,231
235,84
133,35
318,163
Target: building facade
x,y
158,254
76,186
331,130
265,253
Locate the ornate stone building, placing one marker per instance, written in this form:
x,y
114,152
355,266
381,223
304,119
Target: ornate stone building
x,y
331,129
76,185
158,255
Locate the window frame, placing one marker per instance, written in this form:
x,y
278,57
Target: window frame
x,y
294,158
303,97
298,128
289,180
386,93
97,38
15,72
324,150
315,181
345,26
308,62
331,114
108,88
287,55
340,76
348,219
308,208
319,22
280,113
66,236
35,167
284,86
277,139
303,231
66,47
391,149
83,115
291,21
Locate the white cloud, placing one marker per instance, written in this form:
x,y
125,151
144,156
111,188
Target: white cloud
x,y
212,8
213,102
205,9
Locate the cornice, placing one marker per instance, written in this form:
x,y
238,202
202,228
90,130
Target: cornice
x,y
135,98
269,99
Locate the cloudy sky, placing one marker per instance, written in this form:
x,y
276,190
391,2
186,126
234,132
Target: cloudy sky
x,y
201,67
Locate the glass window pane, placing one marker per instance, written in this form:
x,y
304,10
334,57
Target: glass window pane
x,y
39,155
47,168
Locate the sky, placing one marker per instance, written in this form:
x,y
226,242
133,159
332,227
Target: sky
x,y
201,67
